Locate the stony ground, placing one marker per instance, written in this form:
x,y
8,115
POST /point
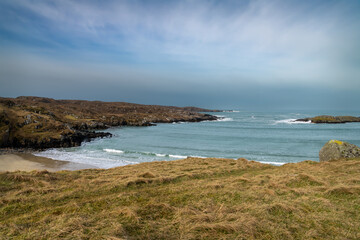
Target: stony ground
x,y
185,199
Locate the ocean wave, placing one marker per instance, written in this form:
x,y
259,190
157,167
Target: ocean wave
x,y
149,154
167,155
291,121
102,161
160,155
179,122
177,156
109,150
163,155
97,160
198,157
273,163
225,119
235,111
145,153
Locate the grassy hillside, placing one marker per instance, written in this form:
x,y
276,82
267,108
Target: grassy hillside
x,y
185,199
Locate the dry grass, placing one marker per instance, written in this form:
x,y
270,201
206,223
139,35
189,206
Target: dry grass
x,y
185,199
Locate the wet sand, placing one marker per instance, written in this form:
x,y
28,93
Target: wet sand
x,y
29,162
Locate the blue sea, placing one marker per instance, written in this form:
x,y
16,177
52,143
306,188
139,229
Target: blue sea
x,y
267,137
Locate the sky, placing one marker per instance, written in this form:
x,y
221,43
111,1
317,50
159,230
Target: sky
x,y
237,54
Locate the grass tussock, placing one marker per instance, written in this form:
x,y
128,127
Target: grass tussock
x,y
186,199
344,190
303,180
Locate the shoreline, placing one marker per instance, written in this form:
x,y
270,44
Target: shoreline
x,y
28,162
42,123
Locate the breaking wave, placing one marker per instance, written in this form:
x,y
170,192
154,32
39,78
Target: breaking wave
x,y
222,118
273,163
113,150
291,121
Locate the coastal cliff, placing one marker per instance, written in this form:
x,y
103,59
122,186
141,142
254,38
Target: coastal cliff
x,y
36,122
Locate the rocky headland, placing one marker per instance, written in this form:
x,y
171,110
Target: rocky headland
x,y
39,123
330,119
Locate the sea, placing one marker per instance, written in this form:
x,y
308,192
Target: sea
x,y
267,137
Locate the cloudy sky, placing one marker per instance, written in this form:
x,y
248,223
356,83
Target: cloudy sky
x,y
230,54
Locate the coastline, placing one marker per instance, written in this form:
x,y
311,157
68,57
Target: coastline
x,y
42,123
29,162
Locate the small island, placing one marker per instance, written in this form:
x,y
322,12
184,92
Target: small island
x,y
330,119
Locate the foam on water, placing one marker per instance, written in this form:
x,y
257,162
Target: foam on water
x,y
273,163
113,150
223,118
160,155
177,156
93,159
291,121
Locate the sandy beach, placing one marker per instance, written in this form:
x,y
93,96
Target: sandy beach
x,y
29,162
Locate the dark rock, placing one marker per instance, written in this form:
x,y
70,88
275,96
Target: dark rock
x,y
67,140
335,150
303,120
5,135
4,119
7,103
75,139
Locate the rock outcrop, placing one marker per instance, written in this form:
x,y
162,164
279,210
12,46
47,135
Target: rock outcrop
x,y
335,150
34,122
330,119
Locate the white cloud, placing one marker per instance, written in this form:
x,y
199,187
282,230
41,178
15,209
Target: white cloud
x,y
271,42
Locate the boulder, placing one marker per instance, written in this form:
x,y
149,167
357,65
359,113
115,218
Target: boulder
x,y
335,150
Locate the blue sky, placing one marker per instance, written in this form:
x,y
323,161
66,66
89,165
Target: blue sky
x,y
231,54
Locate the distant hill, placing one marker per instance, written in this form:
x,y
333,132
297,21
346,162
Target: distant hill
x,y
36,122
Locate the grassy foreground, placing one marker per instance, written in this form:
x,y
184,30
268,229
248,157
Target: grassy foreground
x,y
185,199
